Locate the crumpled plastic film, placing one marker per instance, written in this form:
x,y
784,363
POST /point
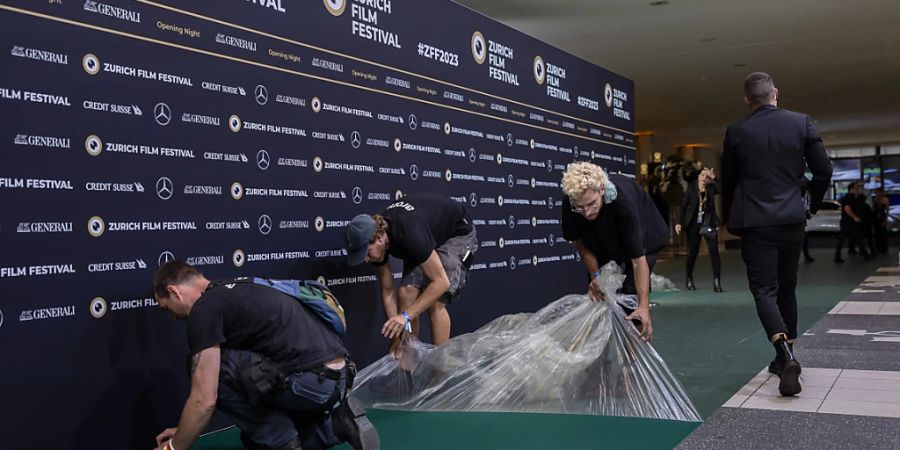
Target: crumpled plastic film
x,y
574,356
659,283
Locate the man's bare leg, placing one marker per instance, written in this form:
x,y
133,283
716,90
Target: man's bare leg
x,y
440,323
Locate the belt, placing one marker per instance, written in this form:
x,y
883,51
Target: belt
x,y
327,372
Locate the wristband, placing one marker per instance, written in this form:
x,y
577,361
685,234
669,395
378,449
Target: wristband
x,y
169,445
595,274
408,326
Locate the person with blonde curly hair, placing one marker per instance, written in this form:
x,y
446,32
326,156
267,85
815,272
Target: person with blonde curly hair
x,y
609,217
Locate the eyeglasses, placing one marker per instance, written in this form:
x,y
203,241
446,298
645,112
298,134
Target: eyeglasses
x,y
590,207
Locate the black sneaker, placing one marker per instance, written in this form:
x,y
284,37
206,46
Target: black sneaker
x,y
350,424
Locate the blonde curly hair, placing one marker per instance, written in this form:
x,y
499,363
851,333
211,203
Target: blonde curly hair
x,y
579,177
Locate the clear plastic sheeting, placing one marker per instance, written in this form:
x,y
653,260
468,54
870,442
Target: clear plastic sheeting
x,y
574,356
659,283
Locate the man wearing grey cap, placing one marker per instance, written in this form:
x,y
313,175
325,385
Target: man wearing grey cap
x,y
435,238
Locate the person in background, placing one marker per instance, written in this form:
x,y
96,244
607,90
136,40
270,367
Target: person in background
x,y
851,223
867,214
698,219
882,208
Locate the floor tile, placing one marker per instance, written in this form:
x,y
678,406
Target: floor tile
x,y
864,395
837,308
821,372
870,374
736,400
864,308
860,408
770,389
862,383
783,403
892,309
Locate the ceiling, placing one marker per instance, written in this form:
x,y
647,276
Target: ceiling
x,y
836,60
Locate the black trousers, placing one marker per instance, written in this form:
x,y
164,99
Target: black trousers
x,y
854,233
772,255
881,243
712,244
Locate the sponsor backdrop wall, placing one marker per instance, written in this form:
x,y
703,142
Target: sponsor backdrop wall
x,y
241,136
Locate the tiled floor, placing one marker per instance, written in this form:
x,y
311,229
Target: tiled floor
x,y
867,308
881,281
830,391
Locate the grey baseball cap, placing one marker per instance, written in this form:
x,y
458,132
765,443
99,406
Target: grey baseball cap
x,y
357,236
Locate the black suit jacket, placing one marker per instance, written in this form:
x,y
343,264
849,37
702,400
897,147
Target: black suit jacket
x,y
687,212
763,162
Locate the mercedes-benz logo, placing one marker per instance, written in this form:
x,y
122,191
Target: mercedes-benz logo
x,y
355,139
512,222
263,160
264,223
510,181
551,239
509,140
165,257
164,188
512,262
162,114
549,165
414,172
357,195
261,94
549,202
413,122
472,155
473,199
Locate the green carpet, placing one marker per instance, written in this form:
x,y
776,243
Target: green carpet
x,y
454,431
712,342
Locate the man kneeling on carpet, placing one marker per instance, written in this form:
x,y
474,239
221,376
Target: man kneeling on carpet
x,y
266,359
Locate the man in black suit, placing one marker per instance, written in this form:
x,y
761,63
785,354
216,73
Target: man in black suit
x,y
765,155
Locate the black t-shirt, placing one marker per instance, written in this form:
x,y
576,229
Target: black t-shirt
x,y
848,199
422,222
248,316
627,228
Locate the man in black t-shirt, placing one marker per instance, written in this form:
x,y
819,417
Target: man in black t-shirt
x,y
611,218
264,360
435,238
851,223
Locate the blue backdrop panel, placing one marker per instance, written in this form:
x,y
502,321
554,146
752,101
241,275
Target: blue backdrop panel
x,y
242,136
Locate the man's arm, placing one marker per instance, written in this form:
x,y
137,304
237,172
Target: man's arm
x,y
820,166
590,263
201,402
388,293
439,284
642,285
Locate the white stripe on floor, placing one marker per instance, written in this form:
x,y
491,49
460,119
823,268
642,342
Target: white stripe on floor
x,y
867,308
876,281
827,391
